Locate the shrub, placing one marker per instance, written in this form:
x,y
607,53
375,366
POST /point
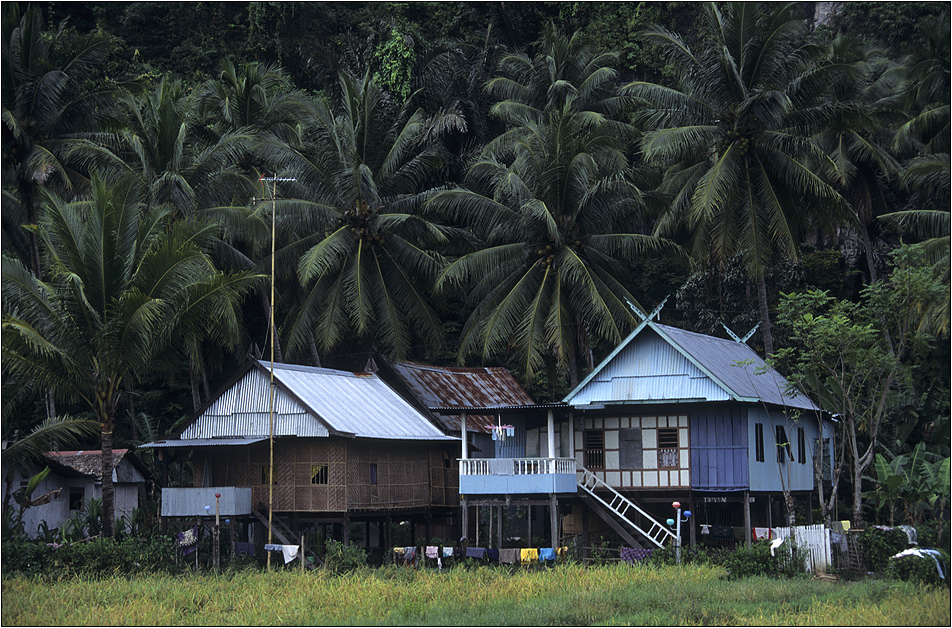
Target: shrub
x,y
99,557
920,569
339,558
878,545
933,533
757,561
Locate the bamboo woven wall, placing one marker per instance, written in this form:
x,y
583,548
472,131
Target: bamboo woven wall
x,y
333,475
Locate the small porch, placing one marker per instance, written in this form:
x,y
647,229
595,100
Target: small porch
x,y
517,476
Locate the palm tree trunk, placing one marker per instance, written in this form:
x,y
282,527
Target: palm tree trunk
x,y
764,314
108,490
50,405
315,356
196,392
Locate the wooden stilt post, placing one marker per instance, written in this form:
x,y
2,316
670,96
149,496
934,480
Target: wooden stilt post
x,y
499,527
747,518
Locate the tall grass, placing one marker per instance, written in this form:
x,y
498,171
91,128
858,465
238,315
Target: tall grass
x,y
567,595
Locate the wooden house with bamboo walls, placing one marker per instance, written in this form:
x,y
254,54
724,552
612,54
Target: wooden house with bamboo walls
x,y
346,449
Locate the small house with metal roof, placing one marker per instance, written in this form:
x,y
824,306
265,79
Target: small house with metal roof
x,y
345,448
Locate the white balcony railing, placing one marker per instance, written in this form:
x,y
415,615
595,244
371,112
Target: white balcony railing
x,y
517,466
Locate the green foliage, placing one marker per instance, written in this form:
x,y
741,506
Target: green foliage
x,y
918,569
895,24
98,557
395,58
879,545
609,26
757,560
340,558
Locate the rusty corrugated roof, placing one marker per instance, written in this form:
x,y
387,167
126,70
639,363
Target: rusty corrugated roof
x,y
458,387
88,462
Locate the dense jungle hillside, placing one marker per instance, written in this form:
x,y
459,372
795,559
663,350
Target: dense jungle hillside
x,y
472,183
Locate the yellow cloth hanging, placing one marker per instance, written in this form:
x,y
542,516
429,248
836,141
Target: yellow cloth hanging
x,y
529,555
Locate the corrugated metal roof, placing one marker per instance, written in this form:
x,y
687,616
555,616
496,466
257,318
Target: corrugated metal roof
x,y
311,401
658,362
202,442
463,388
738,368
357,403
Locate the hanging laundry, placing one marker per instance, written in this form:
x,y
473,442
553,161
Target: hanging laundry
x,y
562,552
632,555
476,552
546,554
910,534
246,549
447,552
492,554
410,556
705,528
529,555
432,551
188,540
509,556
290,552
761,534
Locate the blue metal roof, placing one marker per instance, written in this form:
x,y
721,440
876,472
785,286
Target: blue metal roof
x,y
657,363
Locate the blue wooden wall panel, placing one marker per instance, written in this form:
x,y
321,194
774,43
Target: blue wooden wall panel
x,y
719,457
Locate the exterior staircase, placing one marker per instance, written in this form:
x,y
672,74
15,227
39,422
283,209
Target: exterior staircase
x,y
627,512
284,535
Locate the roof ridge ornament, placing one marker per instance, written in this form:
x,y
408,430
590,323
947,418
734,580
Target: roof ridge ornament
x,y
641,315
738,338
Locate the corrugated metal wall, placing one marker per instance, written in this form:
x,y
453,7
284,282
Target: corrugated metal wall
x,y
649,369
719,456
243,410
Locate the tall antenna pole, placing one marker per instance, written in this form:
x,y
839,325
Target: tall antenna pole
x,y
274,184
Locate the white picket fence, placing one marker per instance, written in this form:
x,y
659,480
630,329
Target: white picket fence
x,y
816,538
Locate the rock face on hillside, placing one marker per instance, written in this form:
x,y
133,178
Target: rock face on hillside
x,y
825,12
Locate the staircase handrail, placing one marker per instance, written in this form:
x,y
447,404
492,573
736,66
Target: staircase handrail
x,y
589,477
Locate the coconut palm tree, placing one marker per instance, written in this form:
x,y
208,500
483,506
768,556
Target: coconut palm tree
x,y
46,111
734,133
555,208
123,282
862,108
366,270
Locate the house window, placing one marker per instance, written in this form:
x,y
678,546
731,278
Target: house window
x,y
801,446
264,475
77,497
318,474
594,442
784,450
668,456
373,473
759,441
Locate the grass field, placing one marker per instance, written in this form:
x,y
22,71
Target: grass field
x,y
567,595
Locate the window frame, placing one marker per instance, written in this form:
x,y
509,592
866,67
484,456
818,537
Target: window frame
x,y
759,442
664,450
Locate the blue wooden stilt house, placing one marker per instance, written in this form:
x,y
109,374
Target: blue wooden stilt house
x,y
669,415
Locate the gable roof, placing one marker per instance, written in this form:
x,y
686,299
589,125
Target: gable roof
x,y
661,363
456,387
309,401
88,463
